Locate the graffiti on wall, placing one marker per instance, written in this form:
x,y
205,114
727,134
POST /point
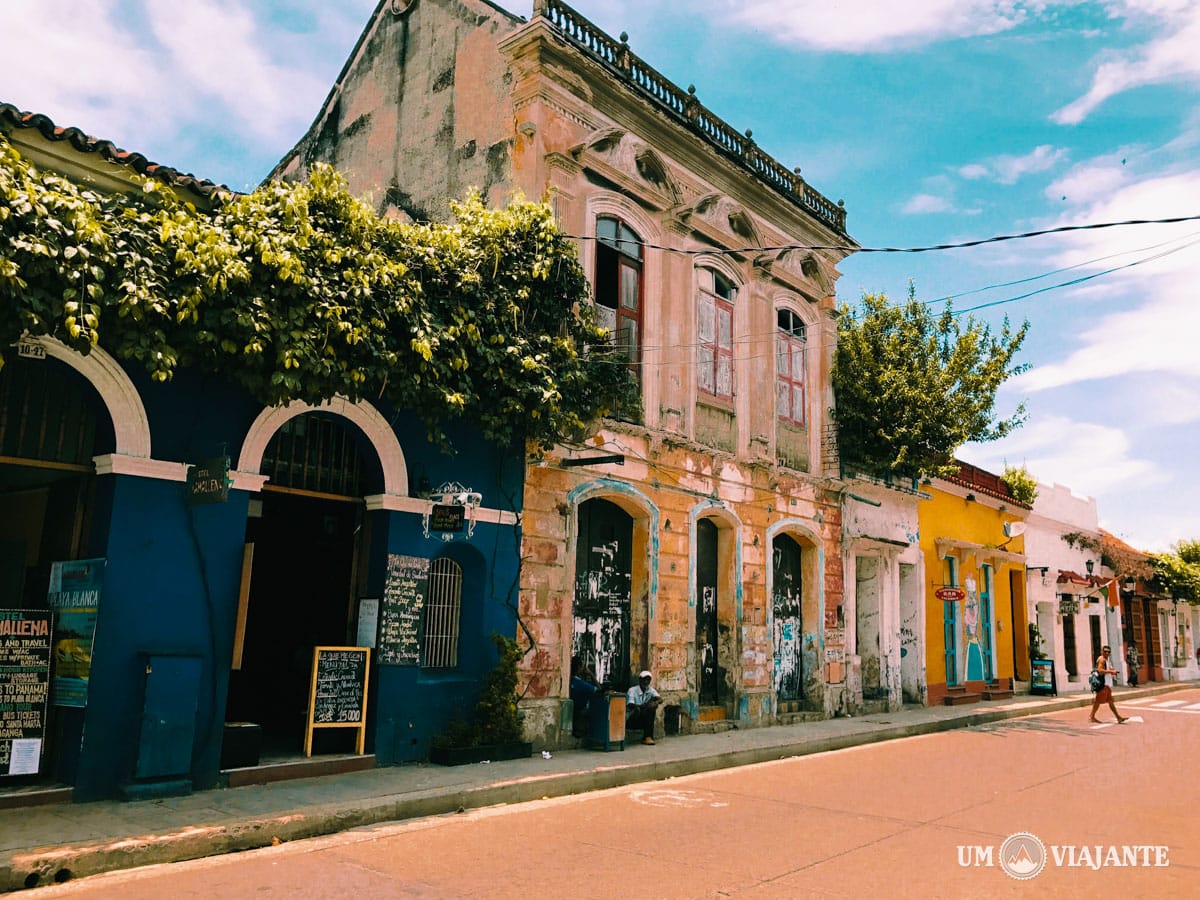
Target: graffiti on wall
x,y
785,608
600,635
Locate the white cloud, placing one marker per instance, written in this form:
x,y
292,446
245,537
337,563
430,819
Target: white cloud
x,y
1157,320
1007,169
218,50
922,204
100,79
877,25
1052,449
1169,57
141,73
1089,182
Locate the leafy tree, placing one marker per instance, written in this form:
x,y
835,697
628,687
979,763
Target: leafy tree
x,y
911,387
300,291
1021,484
1178,572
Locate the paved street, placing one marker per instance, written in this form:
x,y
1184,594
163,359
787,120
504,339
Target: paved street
x,y
884,820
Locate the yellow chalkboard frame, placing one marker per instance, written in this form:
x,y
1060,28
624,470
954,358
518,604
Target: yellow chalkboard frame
x,y
361,725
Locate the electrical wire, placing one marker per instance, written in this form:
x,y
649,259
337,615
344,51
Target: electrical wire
x,y
930,248
957,295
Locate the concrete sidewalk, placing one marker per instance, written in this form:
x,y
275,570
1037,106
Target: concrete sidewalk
x,y
43,844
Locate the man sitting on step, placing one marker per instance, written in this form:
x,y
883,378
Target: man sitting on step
x,y
641,706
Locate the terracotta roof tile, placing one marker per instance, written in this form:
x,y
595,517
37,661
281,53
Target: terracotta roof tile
x,y
11,118
983,481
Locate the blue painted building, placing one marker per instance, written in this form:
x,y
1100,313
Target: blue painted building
x,y
209,611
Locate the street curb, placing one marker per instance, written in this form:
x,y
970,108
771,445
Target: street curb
x,y
49,865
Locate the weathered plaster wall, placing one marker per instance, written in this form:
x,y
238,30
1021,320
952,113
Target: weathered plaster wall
x,y
421,114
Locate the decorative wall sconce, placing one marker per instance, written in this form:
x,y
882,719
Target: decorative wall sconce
x,y
1090,565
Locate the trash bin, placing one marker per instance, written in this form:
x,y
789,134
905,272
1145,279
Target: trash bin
x,y
608,722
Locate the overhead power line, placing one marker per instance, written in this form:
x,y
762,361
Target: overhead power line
x,y
849,248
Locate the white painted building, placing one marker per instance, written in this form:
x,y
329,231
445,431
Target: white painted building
x,y
885,618
1067,586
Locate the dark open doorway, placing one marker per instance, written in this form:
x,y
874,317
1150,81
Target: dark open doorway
x,y
300,598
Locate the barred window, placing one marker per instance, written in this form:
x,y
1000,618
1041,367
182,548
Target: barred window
x,y
442,608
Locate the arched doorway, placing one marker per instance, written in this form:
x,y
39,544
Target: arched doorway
x,y
601,612
52,423
309,533
786,606
707,623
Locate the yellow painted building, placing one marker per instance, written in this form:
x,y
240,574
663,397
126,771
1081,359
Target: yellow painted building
x,y
976,631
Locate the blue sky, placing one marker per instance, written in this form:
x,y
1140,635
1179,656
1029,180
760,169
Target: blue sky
x,y
935,120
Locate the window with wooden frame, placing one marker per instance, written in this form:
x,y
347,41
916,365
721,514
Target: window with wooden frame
x,y
443,608
714,312
618,285
791,363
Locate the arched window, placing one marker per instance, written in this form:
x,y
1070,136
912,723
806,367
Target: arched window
x,y
618,287
791,360
714,312
443,607
315,452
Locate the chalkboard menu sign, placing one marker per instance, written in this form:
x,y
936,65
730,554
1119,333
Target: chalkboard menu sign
x,y
338,694
25,641
400,613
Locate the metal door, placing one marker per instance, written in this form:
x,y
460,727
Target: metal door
x,y
785,609
706,612
603,586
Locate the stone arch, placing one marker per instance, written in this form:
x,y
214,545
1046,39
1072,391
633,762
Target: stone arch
x,y
716,629
812,611
131,427
643,562
362,414
720,263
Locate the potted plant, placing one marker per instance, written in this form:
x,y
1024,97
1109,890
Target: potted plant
x,y
495,730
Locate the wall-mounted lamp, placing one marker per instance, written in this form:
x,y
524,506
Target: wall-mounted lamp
x,y
970,498
1090,565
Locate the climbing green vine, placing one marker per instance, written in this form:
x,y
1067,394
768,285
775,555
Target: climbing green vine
x,y
300,291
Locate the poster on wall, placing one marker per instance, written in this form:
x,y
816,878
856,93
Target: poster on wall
x,y
400,613
74,596
25,641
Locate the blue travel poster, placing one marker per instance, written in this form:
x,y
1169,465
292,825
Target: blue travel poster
x,y
74,596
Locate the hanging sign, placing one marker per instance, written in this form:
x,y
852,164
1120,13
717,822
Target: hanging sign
x,y
208,482
447,517
951,594
74,595
25,642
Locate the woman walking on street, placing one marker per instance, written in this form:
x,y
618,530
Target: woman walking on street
x,y
1104,694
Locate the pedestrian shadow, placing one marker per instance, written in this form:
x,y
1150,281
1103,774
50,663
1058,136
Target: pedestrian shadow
x,y
1082,728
